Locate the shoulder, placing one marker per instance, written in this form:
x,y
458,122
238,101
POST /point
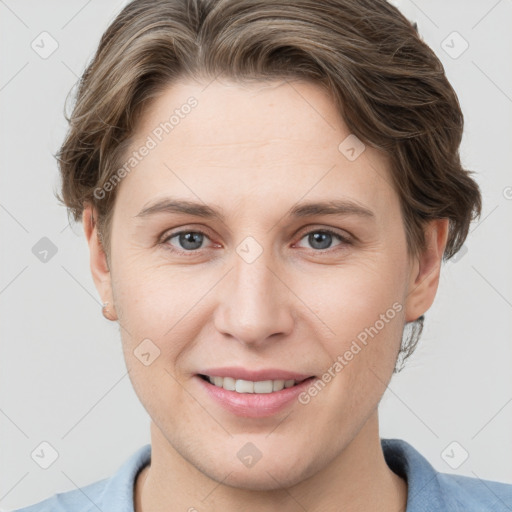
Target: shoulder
x,y
83,499
431,490
482,495
114,494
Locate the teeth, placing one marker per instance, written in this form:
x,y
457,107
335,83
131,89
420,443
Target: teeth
x,y
244,386
229,383
248,386
277,385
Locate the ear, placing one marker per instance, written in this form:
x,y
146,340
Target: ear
x,y
425,270
98,261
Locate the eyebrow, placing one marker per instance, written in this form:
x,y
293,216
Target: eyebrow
x,y
333,207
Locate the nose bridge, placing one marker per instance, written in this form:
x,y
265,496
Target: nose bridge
x,y
254,306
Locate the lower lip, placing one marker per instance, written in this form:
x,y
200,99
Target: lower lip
x,y
254,405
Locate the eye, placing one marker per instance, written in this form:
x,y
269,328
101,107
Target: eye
x,y
188,241
191,241
321,239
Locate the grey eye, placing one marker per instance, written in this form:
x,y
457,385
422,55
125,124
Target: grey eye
x,y
322,239
189,240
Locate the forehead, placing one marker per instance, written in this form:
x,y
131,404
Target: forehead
x,y
261,142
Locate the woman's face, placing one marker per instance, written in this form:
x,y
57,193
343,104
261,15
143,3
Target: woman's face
x,y
268,287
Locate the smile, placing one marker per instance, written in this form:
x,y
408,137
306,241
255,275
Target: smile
x,y
249,386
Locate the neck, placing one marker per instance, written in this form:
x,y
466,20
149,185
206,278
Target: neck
x,y
358,479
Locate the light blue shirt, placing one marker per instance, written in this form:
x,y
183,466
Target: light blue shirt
x,y
428,490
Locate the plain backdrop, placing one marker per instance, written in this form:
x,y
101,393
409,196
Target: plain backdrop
x,y
62,375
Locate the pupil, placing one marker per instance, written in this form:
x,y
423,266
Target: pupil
x,y
191,238
320,237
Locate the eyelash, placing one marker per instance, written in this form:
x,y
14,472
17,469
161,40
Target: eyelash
x,y
168,236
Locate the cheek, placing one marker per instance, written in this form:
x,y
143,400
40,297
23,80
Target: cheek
x,y
149,293
157,304
360,310
158,323
348,299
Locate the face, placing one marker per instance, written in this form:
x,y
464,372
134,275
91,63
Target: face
x,y
255,282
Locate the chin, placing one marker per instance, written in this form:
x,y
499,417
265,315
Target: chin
x,y
279,466
265,477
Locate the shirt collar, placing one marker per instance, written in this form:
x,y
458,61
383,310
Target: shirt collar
x,y
118,493
424,492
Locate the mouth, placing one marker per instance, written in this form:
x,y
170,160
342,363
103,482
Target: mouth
x,y
261,394
248,386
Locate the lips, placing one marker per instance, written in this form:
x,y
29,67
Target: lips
x,y
255,375
247,386
258,403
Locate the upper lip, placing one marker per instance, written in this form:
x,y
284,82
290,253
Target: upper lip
x,y
254,375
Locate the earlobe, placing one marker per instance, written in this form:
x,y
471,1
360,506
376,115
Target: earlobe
x,y
98,263
105,309
425,272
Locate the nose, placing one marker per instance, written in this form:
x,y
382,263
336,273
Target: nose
x,y
255,304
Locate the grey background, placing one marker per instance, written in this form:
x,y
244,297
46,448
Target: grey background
x,y
62,375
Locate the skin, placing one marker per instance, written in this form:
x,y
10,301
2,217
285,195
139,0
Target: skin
x,y
254,151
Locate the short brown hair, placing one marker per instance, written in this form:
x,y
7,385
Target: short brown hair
x,y
387,84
